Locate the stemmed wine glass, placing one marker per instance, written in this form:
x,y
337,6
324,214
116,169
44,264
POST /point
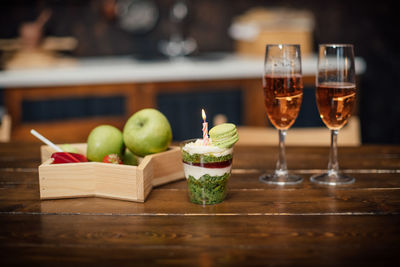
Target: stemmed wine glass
x,y
335,94
283,93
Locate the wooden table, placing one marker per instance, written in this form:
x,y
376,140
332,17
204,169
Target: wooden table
x,y
257,224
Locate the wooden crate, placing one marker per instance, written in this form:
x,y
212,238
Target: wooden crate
x,y
257,46
273,26
96,179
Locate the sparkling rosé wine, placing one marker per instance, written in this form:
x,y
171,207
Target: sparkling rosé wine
x,y
282,98
335,103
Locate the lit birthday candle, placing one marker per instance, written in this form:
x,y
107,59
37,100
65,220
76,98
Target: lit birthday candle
x,y
205,128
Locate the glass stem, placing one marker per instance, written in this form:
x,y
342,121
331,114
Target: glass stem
x,y
281,167
333,165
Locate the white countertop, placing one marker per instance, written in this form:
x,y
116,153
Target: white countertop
x,y
126,70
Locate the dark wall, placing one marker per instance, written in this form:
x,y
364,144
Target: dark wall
x,y
371,26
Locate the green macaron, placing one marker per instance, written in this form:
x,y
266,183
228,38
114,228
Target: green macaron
x,y
224,135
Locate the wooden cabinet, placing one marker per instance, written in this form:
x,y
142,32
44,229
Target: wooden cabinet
x,y
135,97
129,86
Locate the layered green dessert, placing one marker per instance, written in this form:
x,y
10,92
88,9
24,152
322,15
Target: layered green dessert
x,y
208,167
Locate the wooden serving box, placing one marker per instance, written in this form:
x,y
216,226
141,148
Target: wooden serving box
x,y
96,179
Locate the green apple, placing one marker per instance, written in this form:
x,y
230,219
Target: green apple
x,y
130,158
69,148
102,141
147,132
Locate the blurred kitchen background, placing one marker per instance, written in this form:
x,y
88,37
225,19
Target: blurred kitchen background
x,y
69,65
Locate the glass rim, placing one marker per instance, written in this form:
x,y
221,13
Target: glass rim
x,y
334,45
274,45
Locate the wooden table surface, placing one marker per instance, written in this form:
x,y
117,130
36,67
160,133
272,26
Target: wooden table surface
x,y
257,224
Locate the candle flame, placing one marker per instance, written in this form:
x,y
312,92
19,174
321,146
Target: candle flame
x,y
203,114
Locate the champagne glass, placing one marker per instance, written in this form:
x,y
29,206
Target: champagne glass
x,y
283,93
335,94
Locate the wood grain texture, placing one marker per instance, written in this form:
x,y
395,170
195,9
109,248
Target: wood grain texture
x,y
167,166
256,225
203,241
66,180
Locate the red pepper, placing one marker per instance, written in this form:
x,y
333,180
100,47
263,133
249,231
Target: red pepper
x,y
68,157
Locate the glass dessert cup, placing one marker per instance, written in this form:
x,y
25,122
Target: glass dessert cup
x,y
207,170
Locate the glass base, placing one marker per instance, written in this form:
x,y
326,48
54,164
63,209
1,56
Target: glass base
x,y
276,179
332,179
